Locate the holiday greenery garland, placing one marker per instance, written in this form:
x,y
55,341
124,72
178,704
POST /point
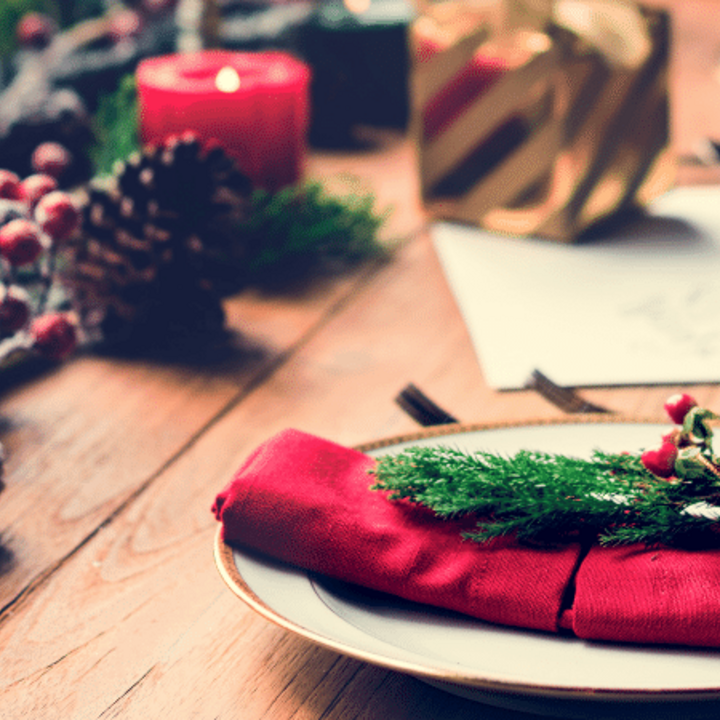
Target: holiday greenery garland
x,y
669,495
301,228
36,219
115,127
290,233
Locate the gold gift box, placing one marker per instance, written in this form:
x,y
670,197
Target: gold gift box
x,y
538,131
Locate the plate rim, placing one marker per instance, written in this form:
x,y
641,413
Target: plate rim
x,y
225,563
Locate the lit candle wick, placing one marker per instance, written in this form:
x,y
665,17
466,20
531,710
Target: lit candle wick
x,y
227,80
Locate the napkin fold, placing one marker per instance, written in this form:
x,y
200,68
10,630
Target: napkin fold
x,y
648,595
307,501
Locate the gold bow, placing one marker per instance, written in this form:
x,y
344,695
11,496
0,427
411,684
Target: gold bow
x,y
616,29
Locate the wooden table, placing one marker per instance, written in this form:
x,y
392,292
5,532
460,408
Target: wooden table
x,y
110,603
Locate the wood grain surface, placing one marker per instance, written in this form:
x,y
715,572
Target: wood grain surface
x,y
110,603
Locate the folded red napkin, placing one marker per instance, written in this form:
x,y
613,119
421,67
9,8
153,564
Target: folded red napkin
x,y
307,501
646,595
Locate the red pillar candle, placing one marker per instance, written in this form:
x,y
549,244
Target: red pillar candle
x,y
254,104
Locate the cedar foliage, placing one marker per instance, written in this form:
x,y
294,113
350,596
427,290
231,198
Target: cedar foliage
x,y
542,497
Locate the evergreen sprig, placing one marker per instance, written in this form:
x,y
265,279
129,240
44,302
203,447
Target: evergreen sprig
x,y
116,126
302,228
544,497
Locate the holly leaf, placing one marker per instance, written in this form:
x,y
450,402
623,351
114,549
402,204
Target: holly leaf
x,y
688,463
696,427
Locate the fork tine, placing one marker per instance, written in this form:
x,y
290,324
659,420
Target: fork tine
x,y
565,398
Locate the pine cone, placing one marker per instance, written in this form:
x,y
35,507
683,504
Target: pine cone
x,y
159,246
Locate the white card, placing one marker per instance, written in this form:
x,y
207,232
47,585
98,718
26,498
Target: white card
x,y
641,306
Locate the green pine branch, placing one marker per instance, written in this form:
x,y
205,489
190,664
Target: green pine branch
x,y
545,497
116,127
302,228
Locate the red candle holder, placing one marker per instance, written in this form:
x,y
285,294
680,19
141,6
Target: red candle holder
x,y
254,104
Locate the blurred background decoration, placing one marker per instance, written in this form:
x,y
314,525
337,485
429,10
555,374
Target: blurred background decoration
x,y
541,118
357,52
531,118
36,221
180,129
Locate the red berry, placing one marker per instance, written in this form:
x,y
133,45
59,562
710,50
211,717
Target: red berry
x,y
20,242
678,406
14,309
54,336
9,185
124,24
51,158
675,437
57,215
661,462
35,30
33,187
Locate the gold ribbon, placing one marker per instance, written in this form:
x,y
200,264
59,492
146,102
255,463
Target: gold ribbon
x,y
616,29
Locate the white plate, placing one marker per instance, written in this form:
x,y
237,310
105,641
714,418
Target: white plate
x,y
505,667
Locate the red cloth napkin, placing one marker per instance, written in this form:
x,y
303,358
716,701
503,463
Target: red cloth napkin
x,y
644,595
307,501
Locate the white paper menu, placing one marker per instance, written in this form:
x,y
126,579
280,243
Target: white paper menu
x,y
639,307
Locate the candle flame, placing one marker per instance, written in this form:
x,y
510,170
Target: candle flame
x,y
357,6
227,80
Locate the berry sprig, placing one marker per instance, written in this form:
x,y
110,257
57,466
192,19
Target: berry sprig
x,y
35,220
35,31
686,452
669,495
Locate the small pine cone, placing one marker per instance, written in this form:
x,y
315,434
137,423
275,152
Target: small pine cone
x,y
157,245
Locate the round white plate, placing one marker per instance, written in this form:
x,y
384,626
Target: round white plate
x,y
506,667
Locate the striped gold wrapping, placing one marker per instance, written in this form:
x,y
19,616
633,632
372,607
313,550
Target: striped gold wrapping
x,y
551,146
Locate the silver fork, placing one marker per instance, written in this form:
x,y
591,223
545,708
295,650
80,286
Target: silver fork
x,y
564,398
428,413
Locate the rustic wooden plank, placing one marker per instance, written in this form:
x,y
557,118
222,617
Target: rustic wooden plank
x,y
148,607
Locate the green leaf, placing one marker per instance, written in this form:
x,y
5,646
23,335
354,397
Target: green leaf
x,y
696,425
688,463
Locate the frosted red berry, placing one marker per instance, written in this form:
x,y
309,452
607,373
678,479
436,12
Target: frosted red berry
x,y
677,406
35,30
20,242
9,185
57,215
674,436
54,336
51,158
14,309
124,24
33,187
661,462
